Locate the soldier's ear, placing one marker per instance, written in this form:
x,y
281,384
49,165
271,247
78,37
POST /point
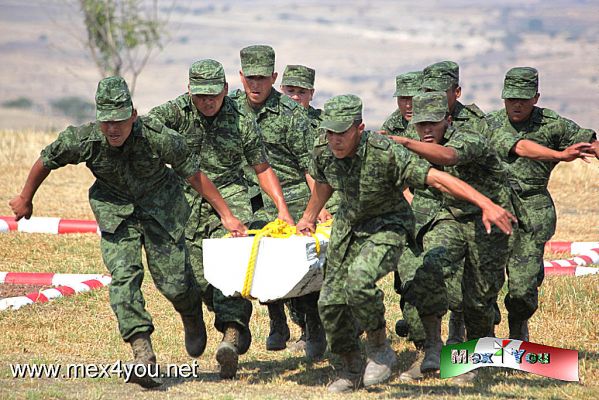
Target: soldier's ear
x,y
311,94
274,77
458,92
537,97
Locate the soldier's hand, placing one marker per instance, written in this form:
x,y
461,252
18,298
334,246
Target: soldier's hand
x,y
305,227
399,139
578,150
324,215
595,148
496,215
234,226
285,216
21,207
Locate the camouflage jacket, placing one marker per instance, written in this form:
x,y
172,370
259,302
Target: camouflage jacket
x,y
222,147
132,176
529,178
395,124
480,167
370,184
287,136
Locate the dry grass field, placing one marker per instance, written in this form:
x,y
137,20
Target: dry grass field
x,y
82,329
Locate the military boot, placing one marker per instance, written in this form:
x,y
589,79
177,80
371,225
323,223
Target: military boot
x,y
381,358
316,341
457,329
432,344
300,345
227,353
279,331
465,378
413,373
195,334
518,328
402,328
144,355
350,376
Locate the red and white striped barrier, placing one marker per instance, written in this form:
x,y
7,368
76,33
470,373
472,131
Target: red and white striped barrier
x,y
573,248
46,295
48,225
45,278
572,271
574,266
589,257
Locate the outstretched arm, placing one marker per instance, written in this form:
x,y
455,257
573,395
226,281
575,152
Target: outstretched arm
x,y
432,152
272,187
204,186
492,213
529,149
320,195
22,205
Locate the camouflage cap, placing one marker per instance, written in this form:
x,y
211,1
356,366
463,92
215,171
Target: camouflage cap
x,y
520,83
298,75
340,112
441,76
257,60
429,107
113,100
206,77
408,84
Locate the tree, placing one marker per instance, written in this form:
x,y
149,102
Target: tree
x,y
121,35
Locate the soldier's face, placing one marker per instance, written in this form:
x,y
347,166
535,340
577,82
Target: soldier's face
x,y
432,132
519,110
404,104
345,144
117,132
300,95
257,88
209,104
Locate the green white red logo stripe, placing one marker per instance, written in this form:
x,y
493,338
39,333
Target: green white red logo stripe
x,y
538,359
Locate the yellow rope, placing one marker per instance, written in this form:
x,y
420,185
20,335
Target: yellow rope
x,y
276,229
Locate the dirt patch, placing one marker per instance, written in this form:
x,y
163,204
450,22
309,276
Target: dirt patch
x,y
10,290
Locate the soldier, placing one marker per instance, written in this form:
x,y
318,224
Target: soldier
x,y
298,84
223,138
544,138
286,135
444,76
457,236
369,232
138,202
407,86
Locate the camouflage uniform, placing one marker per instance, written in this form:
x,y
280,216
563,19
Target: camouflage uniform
x,y
528,178
457,233
369,233
443,76
138,202
222,144
287,136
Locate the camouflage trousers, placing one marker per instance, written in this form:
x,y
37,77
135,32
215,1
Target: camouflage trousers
x,y
349,297
525,274
168,263
226,309
406,269
446,244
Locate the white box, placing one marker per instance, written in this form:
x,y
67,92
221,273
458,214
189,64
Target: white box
x,y
285,268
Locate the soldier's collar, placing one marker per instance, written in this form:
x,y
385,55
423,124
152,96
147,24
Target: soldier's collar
x,y
272,102
362,145
459,107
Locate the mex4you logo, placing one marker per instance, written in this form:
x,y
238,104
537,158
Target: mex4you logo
x,y
539,359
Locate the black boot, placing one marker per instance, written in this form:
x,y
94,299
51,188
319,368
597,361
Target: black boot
x,y
279,331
